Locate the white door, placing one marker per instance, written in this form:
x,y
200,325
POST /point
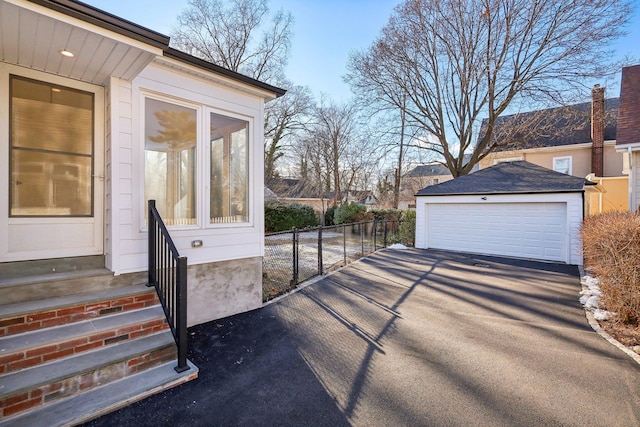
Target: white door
x,y
524,230
53,192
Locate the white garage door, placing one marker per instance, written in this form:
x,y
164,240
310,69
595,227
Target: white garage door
x,y
525,230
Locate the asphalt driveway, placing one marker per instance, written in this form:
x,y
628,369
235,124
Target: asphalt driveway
x,y
407,338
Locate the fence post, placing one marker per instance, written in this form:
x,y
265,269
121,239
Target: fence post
x,y
320,260
375,234
362,233
181,314
385,233
344,243
295,256
151,219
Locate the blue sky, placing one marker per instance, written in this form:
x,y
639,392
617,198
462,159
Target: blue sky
x,y
325,32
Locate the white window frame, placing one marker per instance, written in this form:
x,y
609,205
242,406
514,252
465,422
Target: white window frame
x,y
207,170
203,167
562,158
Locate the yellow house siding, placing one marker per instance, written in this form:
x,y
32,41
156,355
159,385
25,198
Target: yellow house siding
x,y
580,158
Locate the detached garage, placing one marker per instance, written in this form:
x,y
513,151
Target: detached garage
x,y
514,209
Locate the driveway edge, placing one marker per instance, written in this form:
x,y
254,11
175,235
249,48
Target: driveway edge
x,y
596,327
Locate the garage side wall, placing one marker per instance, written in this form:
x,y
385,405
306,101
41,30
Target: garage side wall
x,y
574,215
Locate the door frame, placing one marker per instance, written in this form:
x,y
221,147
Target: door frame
x,y
92,243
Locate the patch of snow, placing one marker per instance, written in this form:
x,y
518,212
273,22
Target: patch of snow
x,y
590,297
602,314
398,246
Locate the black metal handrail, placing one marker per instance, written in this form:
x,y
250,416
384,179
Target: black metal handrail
x,y
168,275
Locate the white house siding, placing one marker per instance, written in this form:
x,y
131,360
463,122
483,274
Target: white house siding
x,y
231,253
574,215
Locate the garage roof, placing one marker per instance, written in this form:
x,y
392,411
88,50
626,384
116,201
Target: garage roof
x,y
518,177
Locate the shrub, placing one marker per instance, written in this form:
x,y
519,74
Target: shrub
x,y
611,245
406,232
280,217
328,215
388,214
349,212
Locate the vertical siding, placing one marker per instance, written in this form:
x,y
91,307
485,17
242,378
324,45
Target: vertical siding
x,y
120,166
108,183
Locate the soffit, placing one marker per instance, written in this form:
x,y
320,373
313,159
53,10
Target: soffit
x,y
32,36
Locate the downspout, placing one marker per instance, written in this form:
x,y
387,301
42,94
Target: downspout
x,y
631,207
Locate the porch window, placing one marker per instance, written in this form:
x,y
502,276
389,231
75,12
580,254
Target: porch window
x,y
170,160
229,177
51,150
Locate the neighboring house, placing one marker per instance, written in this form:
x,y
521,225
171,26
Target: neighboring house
x,y
301,191
628,141
418,178
578,140
514,209
98,115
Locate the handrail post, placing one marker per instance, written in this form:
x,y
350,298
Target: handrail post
x,y
181,314
151,277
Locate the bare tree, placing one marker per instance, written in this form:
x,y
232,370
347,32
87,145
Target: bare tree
x,y
284,120
236,37
333,130
455,62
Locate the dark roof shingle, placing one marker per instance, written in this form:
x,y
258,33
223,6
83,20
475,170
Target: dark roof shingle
x,y
508,178
433,169
551,127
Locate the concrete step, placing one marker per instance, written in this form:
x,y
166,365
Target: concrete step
x,y
37,314
41,286
40,385
41,346
102,400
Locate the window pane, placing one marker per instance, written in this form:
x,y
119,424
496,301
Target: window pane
x,y
561,165
229,178
51,150
170,154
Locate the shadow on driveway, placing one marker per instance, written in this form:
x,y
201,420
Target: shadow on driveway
x,y
407,338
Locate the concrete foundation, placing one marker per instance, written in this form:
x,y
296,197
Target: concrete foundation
x,y
222,289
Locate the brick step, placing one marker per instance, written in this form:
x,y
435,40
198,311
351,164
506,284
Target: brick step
x,y
44,384
44,345
102,400
33,315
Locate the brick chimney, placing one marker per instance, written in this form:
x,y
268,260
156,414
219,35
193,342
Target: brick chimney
x,y
597,130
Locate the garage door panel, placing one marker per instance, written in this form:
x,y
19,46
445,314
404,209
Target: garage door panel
x,y
527,230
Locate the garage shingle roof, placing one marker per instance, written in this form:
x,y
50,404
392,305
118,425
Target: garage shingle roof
x,y
518,177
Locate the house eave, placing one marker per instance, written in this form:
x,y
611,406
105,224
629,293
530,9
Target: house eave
x,y
177,59
496,193
100,18
634,146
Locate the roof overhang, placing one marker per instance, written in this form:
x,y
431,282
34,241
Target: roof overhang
x,y
504,193
189,64
33,33
625,147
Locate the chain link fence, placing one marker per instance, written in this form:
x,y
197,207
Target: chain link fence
x,y
292,257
